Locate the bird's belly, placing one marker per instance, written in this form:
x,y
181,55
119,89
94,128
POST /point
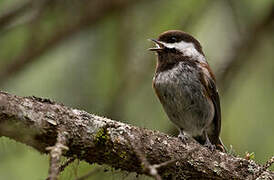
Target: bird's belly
x,y
184,102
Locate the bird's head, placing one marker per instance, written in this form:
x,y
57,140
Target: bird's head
x,y
173,45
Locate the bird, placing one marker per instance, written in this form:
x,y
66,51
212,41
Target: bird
x,y
186,87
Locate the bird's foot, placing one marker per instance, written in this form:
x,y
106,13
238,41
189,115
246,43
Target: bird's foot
x,y
183,137
210,146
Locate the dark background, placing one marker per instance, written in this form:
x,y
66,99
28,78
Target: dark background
x,y
92,55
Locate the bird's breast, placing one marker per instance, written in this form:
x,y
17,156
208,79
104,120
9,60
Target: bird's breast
x,y
182,95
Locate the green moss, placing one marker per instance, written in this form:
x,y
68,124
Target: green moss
x,y
102,136
123,155
103,139
249,156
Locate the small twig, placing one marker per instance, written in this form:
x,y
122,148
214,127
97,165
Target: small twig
x,y
55,155
63,166
264,168
151,169
90,173
164,163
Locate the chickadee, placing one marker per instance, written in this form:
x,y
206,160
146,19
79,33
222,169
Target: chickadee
x,y
186,87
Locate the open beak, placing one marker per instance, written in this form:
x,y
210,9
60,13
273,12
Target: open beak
x,y
159,46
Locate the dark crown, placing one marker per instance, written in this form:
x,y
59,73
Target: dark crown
x,y
173,36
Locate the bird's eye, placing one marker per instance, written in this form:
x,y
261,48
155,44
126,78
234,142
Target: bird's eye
x,y
173,39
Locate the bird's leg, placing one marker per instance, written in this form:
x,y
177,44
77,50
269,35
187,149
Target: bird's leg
x,y
182,136
208,144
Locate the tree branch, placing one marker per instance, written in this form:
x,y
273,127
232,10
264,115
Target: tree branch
x,y
37,122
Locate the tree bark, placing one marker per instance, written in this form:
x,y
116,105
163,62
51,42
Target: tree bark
x,y
37,122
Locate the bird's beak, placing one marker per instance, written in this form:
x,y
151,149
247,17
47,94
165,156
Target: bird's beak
x,y
159,45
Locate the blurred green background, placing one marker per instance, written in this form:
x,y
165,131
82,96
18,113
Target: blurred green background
x,y
92,55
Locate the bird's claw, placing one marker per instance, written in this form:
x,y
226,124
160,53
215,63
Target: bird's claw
x,y
210,146
183,138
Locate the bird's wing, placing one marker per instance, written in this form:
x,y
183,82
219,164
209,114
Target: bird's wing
x,y
213,92
208,80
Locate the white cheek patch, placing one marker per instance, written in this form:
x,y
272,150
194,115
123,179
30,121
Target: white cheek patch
x,y
187,48
180,45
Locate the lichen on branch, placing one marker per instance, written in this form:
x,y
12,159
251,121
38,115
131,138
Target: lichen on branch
x,y
37,121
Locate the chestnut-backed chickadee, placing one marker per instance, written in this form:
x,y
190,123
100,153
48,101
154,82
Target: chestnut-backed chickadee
x,y
186,87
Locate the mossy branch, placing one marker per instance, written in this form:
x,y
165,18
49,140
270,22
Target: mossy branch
x,y
37,122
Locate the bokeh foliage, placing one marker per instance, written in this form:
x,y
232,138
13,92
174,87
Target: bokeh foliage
x,y
100,63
